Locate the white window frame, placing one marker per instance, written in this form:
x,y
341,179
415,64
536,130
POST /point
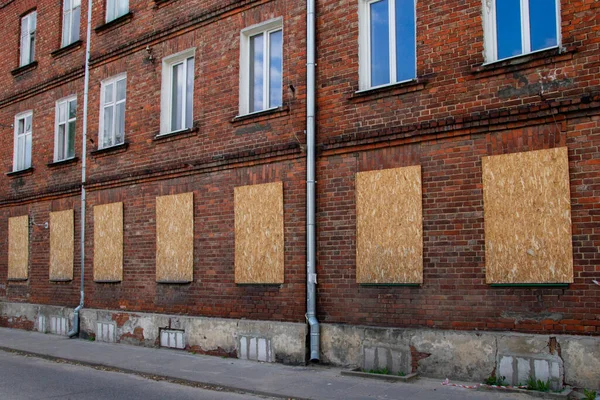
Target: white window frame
x,y
57,123
490,31
21,166
68,26
27,38
364,44
166,93
103,84
266,27
113,5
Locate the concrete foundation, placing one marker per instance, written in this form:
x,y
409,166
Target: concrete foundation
x,y
470,356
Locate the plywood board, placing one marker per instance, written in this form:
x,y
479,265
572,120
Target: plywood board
x,y
527,210
175,238
259,239
18,248
61,245
108,242
389,226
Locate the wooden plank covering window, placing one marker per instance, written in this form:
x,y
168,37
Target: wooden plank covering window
x,y
389,226
175,238
259,238
108,242
18,248
527,211
61,245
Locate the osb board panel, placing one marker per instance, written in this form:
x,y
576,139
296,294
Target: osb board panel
x,y
108,242
527,211
259,240
175,238
18,247
389,226
61,245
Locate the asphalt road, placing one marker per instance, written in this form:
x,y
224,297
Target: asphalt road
x,y
24,377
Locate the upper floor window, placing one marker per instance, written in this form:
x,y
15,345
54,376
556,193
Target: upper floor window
x,y
22,147
112,111
116,9
64,141
515,27
28,24
261,67
387,42
71,20
177,93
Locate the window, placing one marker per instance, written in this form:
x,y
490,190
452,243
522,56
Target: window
x,y
28,24
22,151
387,42
516,27
116,9
112,111
64,140
261,67
71,16
177,93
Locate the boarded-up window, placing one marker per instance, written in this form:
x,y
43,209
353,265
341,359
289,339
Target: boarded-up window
x,y
108,242
61,245
528,217
259,241
389,226
175,238
18,248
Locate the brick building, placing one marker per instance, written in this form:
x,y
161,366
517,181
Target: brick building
x,y
457,169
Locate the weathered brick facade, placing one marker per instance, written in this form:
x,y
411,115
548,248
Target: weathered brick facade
x,y
458,110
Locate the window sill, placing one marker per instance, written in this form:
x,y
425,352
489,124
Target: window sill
x,y
523,61
394,89
110,150
60,280
26,171
17,279
60,163
123,19
25,68
67,49
530,285
180,134
258,115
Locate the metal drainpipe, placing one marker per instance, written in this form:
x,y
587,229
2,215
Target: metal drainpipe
x,y
311,276
86,85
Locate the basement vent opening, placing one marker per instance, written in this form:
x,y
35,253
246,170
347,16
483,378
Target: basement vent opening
x,y
59,325
172,339
106,332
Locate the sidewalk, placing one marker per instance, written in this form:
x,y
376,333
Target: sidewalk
x,y
273,380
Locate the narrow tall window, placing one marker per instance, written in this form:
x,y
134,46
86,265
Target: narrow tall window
x,y
28,24
177,96
261,67
116,9
112,111
516,27
71,20
387,42
22,149
64,144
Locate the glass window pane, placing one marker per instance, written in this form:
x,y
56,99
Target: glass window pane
x,y
177,97
32,47
62,112
123,6
25,50
32,21
508,25
66,33
189,92
542,22
110,10
405,40
28,123
71,140
72,109
108,93
60,145
76,3
120,124
27,151
21,126
67,5
20,152
256,72
75,23
108,127
275,69
121,89
380,43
